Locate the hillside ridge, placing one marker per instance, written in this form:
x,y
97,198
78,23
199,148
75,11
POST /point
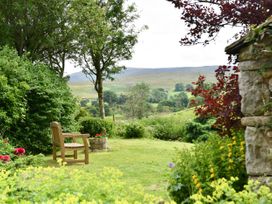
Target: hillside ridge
x,y
79,77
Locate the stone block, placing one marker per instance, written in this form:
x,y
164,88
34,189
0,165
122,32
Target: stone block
x,y
257,121
255,93
259,151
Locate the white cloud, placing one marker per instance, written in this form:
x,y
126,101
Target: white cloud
x,y
159,46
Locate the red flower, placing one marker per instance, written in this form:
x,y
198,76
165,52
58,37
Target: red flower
x,y
98,135
19,151
5,158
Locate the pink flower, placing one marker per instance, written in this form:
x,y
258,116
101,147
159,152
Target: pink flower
x,y
19,151
5,158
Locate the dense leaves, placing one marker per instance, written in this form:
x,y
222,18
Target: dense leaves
x,y
222,100
31,97
106,35
95,126
137,105
216,158
39,28
205,18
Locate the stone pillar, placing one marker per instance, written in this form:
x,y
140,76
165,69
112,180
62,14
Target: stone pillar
x,y
255,85
254,55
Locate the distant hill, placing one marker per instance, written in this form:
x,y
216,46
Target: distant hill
x,y
157,78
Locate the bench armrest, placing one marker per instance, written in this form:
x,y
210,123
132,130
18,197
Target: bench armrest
x,y
75,135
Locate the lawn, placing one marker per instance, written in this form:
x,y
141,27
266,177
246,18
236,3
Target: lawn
x,y
142,161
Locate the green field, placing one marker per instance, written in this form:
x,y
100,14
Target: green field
x,y
142,161
156,79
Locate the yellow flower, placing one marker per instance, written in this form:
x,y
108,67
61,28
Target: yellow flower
x,y
230,154
198,185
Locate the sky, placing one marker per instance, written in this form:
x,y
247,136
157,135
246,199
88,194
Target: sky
x,y
159,46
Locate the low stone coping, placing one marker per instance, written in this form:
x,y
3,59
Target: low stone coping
x,y
257,121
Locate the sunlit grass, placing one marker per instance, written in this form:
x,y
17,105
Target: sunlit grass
x,y
142,161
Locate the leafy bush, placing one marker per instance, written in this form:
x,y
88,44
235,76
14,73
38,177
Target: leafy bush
x,y
197,130
134,130
66,185
216,158
14,158
5,147
95,125
223,192
23,162
165,128
221,100
31,97
167,132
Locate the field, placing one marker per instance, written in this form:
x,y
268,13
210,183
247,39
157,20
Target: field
x,y
157,78
142,161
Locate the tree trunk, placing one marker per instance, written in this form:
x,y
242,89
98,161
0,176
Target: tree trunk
x,y
100,97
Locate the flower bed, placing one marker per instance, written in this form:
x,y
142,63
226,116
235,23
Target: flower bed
x,y
13,158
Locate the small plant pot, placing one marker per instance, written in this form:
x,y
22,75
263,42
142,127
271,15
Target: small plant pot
x,y
98,144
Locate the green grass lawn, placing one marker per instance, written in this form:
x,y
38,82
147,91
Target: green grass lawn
x,y
142,161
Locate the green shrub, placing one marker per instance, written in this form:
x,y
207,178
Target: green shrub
x,y
197,130
119,129
216,158
134,130
31,97
66,185
5,147
167,132
23,162
223,192
94,126
165,128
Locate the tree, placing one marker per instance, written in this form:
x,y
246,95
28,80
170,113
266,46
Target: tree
x,y
31,97
205,18
181,100
158,95
189,87
110,97
179,87
39,28
137,103
222,100
106,35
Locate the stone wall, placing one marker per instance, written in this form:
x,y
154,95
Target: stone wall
x,y
255,85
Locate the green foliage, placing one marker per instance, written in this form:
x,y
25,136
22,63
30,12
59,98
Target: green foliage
x,y
210,160
181,100
66,185
81,113
32,96
179,87
189,87
137,105
94,126
110,97
223,192
197,130
167,131
23,162
165,128
157,95
175,103
5,147
134,130
106,35
40,29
